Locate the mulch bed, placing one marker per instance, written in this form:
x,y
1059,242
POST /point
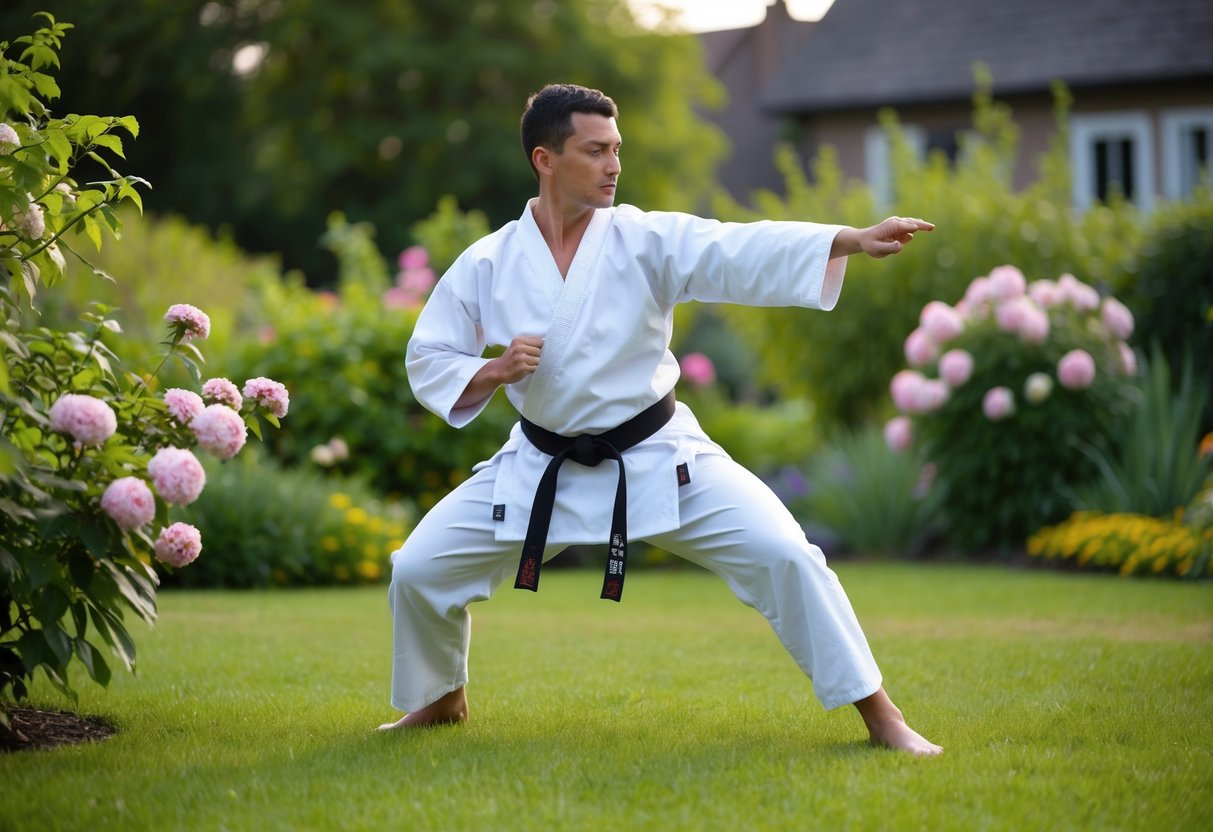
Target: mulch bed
x,y
30,729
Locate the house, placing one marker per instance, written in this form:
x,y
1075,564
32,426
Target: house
x,y
1140,73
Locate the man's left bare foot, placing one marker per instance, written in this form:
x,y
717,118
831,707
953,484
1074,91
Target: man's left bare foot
x,y
888,728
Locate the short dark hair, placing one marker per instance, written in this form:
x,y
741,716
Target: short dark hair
x,y
547,120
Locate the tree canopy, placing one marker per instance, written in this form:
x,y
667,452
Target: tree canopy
x,y
268,115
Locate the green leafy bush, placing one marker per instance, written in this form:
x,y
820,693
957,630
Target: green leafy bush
x,y
1006,392
269,526
841,360
874,501
81,434
342,356
1172,292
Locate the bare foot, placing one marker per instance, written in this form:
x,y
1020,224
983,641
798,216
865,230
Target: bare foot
x,y
887,727
451,708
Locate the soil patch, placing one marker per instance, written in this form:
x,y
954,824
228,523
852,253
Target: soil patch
x,y
30,729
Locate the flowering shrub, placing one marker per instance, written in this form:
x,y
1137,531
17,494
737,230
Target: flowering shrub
x,y
1008,391
1131,544
80,434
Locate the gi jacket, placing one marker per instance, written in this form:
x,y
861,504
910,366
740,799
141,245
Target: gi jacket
x,y
605,358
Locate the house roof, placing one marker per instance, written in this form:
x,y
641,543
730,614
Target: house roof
x,y
866,53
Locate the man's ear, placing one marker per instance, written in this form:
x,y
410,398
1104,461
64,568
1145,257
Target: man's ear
x,y
541,158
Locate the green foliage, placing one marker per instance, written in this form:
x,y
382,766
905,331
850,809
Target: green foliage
x,y
842,360
374,109
342,357
875,501
71,564
445,233
1172,294
1129,544
1154,467
269,526
1006,474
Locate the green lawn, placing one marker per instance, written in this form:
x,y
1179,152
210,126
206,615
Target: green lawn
x,y
1063,702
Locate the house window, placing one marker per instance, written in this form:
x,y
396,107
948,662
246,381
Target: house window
x,y
1187,137
1111,154
878,158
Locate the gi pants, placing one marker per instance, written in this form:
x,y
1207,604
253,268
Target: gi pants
x,y
731,524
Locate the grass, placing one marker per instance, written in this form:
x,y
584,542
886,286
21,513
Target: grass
x,y
1064,702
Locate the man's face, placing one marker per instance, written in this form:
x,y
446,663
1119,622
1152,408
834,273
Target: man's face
x,y
586,171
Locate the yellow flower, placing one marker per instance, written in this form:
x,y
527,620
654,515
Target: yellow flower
x,y
356,516
369,570
330,543
340,501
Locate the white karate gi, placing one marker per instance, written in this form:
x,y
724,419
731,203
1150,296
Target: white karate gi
x,y
606,329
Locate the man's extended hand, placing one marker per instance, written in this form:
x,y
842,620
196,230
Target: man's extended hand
x,y
878,240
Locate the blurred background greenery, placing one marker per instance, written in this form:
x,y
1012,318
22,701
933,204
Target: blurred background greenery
x,y
295,157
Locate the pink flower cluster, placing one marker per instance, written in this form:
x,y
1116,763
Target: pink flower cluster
x,y
222,391
183,405
9,140
177,475
1006,300
178,545
413,282
220,431
188,322
698,369
270,394
86,419
129,502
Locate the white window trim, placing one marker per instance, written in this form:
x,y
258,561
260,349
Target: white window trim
x,y
1173,122
1085,130
877,156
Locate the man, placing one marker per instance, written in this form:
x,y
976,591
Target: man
x,y
582,294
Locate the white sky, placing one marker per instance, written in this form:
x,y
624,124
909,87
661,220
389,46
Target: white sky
x,y
713,15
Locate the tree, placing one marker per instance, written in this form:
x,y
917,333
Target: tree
x,y
270,116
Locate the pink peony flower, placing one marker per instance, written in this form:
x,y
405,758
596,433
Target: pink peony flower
x,y
220,430
188,322
183,405
1128,359
129,502
397,298
914,393
1117,318
1045,293
87,419
1076,370
898,433
1013,312
998,403
955,367
178,545
1007,282
177,475
414,257
222,391
270,394
1037,387
977,295
1035,327
9,140
698,369
941,322
31,224
1078,294
920,349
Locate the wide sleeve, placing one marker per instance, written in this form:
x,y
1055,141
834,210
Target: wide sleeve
x,y
445,351
764,263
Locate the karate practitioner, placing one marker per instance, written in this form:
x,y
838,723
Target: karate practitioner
x,y
580,294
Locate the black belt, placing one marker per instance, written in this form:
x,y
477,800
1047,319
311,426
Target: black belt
x,y
587,449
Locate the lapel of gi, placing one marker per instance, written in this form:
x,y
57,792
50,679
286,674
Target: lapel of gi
x,y
567,303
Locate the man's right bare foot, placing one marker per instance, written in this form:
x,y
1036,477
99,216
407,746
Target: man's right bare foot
x,y
451,708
